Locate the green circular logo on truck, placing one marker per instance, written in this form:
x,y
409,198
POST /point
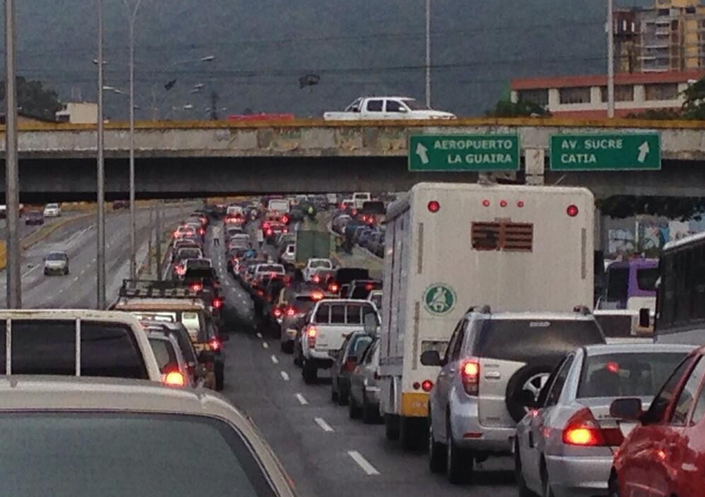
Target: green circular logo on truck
x,y
439,299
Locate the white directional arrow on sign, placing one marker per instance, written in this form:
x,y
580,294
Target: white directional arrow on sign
x,y
643,152
422,152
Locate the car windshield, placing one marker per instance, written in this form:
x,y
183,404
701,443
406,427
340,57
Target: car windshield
x,y
56,256
321,264
120,454
271,268
522,340
627,374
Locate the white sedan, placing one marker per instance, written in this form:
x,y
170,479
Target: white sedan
x,y
52,210
315,265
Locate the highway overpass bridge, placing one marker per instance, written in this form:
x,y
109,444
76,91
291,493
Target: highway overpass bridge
x,y
193,159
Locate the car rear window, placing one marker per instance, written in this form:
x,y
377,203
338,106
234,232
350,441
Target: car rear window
x,y
646,278
48,347
525,340
344,313
164,352
57,257
627,374
189,253
615,326
138,455
359,345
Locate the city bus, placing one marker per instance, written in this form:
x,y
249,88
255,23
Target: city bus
x,y
449,247
630,285
680,306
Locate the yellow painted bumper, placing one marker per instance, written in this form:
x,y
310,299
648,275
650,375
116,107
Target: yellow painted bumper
x,y
414,405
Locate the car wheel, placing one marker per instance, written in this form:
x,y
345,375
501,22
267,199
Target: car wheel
x,y
46,273
354,412
391,427
66,272
436,451
309,372
219,377
613,486
459,462
519,474
334,396
410,433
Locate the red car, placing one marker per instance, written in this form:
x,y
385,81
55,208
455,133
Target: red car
x,y
664,455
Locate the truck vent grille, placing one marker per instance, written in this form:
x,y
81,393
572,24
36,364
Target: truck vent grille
x,y
503,236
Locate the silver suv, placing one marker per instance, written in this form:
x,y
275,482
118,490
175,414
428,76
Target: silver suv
x,y
494,366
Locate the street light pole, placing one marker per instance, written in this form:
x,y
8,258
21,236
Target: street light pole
x,y
100,258
12,174
428,53
132,14
610,58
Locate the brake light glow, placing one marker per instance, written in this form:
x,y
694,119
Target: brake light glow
x,y
583,430
434,206
334,288
174,379
290,311
316,279
427,385
215,344
572,210
317,295
369,287
265,226
285,219
269,232
218,303
612,367
196,287
486,203
470,376
277,312
311,337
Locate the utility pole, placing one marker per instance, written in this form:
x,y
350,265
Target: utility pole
x,y
12,172
100,258
159,239
428,53
610,58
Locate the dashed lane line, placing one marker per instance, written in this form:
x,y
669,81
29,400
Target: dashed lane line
x,y
265,345
259,335
275,360
302,400
284,375
363,463
324,426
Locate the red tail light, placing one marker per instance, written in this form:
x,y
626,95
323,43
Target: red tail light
x,y
434,206
583,430
369,287
174,379
316,279
265,226
317,296
470,376
180,270
290,311
311,337
217,303
285,219
333,288
427,385
215,344
277,312
572,210
201,232
269,232
196,287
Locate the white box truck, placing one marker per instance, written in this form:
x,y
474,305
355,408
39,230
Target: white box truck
x,y
450,247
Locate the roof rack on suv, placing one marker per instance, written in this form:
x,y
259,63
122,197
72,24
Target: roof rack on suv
x,y
157,289
582,309
482,309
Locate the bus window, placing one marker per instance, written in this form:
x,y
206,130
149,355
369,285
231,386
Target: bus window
x,y
646,278
617,284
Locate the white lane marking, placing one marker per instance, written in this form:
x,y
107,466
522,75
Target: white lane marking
x,y
324,426
94,259
259,335
75,279
285,375
30,271
302,400
265,345
363,463
275,360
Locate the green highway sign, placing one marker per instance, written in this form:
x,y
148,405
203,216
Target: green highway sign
x,y
428,153
606,152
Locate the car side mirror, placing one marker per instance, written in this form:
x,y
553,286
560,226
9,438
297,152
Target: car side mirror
x,y
627,409
370,324
431,358
206,357
644,318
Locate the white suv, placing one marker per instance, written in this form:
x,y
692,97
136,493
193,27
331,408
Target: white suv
x,y
493,368
329,322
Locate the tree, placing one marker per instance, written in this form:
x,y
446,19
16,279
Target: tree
x,y
658,114
522,108
34,100
694,105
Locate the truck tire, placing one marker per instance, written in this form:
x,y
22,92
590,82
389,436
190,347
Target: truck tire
x,y
370,415
310,372
525,381
354,412
219,377
391,427
412,433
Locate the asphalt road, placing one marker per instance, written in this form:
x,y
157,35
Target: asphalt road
x,y
325,453
78,240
